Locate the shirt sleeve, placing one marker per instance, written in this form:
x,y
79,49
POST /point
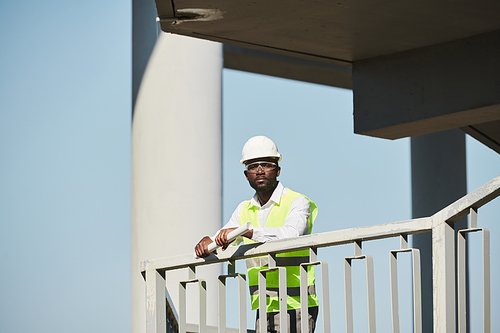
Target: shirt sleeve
x,y
234,221
295,224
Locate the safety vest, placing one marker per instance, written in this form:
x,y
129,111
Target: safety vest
x,y
290,260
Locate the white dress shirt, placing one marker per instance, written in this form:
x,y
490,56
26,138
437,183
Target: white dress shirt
x,y
295,223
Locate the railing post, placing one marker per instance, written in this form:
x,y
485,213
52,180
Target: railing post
x,y
462,283
417,301
202,291
325,292
443,271
486,282
242,283
156,312
282,295
393,277
222,304
370,288
241,299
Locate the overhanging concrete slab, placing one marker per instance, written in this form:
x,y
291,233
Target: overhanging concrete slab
x,y
329,31
267,63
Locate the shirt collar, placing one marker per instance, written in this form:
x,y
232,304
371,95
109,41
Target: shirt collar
x,y
275,197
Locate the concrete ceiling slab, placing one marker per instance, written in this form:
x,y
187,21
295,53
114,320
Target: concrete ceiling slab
x,y
339,31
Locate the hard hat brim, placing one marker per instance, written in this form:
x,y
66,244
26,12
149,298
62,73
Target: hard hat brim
x,y
277,157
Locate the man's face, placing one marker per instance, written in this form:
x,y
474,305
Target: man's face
x,y
261,180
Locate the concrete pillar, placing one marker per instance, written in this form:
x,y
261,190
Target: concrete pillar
x,y
176,163
145,32
438,176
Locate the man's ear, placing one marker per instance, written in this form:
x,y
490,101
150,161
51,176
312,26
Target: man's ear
x,y
246,173
278,172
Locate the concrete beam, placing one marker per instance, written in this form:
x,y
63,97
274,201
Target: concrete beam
x,y
487,133
440,87
287,67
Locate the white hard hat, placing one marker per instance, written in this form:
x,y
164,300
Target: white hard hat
x,y
259,146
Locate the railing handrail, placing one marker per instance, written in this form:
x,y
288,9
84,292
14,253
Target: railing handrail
x,y
450,214
318,240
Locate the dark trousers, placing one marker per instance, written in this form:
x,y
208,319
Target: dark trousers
x,y
294,318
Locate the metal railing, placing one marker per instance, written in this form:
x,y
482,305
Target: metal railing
x,y
443,256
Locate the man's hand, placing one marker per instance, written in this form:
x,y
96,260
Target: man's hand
x,y
221,238
201,248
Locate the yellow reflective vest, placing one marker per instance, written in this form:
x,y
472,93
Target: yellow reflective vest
x,y
290,260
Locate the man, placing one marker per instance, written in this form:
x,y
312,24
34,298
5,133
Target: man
x,y
275,212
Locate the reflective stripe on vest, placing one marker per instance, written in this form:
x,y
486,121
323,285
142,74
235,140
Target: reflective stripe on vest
x,y
289,260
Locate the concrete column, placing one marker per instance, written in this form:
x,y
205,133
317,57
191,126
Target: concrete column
x,y
145,32
176,163
438,172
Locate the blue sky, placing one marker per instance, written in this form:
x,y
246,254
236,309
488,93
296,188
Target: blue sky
x,y
65,112
65,119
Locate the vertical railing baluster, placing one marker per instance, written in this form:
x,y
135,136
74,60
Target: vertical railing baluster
x,y
473,218
202,285
370,288
393,277
202,310
486,282
462,274
156,312
417,289
241,299
443,277
462,267
304,306
403,241
358,248
283,299
222,304
325,292
282,294
262,302
348,295
182,307
325,297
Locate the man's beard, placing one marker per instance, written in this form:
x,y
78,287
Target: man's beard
x,y
269,185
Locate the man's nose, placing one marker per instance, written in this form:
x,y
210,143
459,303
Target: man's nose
x,y
260,169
